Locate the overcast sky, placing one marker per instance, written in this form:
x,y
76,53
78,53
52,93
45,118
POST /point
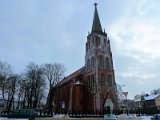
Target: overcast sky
x,y
48,31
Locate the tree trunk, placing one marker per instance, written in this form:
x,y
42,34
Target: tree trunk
x,y
3,92
10,104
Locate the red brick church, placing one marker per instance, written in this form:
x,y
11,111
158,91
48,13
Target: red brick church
x,y
87,89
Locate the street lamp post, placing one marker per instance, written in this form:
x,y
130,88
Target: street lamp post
x,y
33,99
18,100
125,94
26,104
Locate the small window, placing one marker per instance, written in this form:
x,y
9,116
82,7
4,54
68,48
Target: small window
x,y
101,63
93,80
108,62
109,81
102,79
92,63
97,41
88,64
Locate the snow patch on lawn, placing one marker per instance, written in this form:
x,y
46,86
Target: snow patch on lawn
x,y
2,118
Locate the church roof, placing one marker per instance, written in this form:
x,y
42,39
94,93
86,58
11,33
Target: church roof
x,y
73,75
96,26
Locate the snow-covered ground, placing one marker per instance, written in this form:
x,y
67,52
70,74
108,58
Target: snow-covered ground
x,y
120,117
146,117
2,118
133,116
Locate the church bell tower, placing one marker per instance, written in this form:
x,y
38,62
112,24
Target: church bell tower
x,y
99,69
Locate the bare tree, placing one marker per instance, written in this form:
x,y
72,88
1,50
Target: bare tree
x,y
12,86
34,83
5,72
137,97
155,91
53,74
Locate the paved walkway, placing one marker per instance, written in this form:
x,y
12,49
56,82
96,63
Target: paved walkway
x,y
63,117
69,118
51,118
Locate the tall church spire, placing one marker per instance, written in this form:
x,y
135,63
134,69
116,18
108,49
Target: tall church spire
x,y
96,26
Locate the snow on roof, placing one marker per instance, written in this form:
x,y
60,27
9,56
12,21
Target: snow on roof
x,y
138,100
78,83
151,97
72,76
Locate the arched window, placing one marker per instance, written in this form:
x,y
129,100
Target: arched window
x,y
93,42
88,64
109,81
97,41
93,82
108,62
90,81
89,84
92,63
102,79
101,63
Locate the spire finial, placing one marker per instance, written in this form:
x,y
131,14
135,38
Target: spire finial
x,y
96,26
95,4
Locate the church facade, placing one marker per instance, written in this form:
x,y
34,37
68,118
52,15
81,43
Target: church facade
x,y
87,89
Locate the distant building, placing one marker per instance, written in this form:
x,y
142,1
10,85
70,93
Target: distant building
x,y
148,104
87,89
5,102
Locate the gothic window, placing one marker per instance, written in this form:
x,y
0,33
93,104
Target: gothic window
x,y
97,41
92,63
88,64
101,63
102,79
88,82
108,62
92,41
93,82
109,81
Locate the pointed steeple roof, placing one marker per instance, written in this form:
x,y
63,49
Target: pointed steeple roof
x,y
96,26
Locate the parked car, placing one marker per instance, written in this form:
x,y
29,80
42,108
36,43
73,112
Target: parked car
x,y
156,117
23,113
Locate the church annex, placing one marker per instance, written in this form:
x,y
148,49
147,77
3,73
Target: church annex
x,y
87,89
